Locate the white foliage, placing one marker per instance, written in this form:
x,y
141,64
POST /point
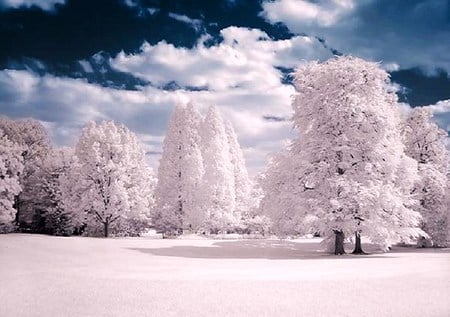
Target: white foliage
x,y
281,187
242,183
11,165
111,181
218,185
203,183
49,200
34,141
179,174
425,142
347,171
192,168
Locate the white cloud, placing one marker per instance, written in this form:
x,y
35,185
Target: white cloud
x,y
392,32
195,23
441,112
68,104
47,5
322,13
442,106
65,105
240,75
391,67
86,65
131,3
245,58
152,11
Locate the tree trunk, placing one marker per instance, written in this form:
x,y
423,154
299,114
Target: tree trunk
x,y
106,226
358,248
339,242
17,207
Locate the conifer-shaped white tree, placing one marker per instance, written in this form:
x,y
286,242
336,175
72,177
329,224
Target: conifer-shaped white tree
x,y
351,175
218,185
242,183
425,142
11,166
110,182
180,173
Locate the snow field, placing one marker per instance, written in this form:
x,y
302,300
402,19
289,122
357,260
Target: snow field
x,y
58,276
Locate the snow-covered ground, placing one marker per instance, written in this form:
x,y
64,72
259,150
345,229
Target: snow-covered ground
x,y
58,276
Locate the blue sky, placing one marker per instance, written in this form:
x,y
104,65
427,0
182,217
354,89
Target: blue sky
x,y
67,62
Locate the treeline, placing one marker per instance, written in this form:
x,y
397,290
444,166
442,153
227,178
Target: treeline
x,y
203,184
359,167
101,184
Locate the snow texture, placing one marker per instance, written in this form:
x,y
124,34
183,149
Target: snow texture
x,y
59,276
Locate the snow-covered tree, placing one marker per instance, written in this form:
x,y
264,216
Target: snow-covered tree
x,y
218,185
180,173
280,188
111,182
72,216
348,173
242,182
425,142
202,179
49,202
11,167
32,137
254,221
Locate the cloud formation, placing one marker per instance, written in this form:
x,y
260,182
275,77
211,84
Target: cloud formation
x,y
244,71
240,75
441,112
65,105
47,5
245,58
194,23
395,32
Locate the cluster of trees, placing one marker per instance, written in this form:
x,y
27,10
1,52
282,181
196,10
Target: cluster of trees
x,y
103,183
357,168
425,143
203,184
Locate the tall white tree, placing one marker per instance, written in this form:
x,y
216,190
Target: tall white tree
x,y
11,166
242,182
111,182
180,173
425,142
33,138
351,175
218,186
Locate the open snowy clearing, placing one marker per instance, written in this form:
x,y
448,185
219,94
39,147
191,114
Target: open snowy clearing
x,y
58,276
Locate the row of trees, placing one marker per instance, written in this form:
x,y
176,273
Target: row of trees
x,y
203,184
357,168
103,182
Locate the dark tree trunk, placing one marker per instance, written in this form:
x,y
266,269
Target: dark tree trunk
x,y
339,242
17,207
106,226
358,248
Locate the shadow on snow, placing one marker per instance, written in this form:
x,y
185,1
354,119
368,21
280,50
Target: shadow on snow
x,y
254,249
